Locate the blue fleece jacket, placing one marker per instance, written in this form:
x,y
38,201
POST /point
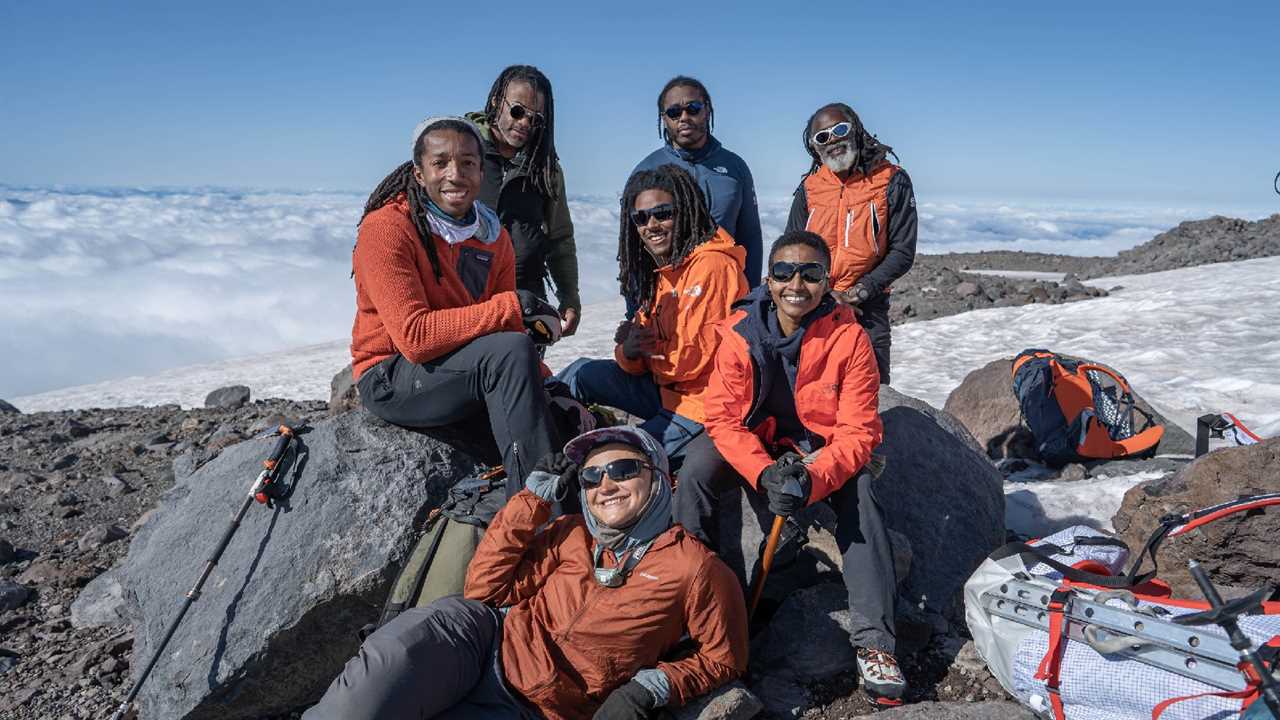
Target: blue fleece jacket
x,y
731,193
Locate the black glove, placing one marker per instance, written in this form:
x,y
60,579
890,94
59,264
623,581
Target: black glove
x,y
553,478
787,484
541,319
632,701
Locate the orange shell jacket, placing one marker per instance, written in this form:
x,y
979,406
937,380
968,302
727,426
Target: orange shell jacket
x,y
402,308
837,398
852,215
568,641
690,299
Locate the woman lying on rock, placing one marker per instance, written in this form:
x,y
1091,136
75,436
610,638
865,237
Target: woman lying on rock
x,y
683,274
577,619
793,408
442,339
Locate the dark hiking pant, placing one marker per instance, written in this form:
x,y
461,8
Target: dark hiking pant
x,y
485,398
604,382
437,661
867,557
874,318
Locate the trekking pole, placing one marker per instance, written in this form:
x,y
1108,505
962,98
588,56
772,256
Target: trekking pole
x,y
1225,616
770,547
264,490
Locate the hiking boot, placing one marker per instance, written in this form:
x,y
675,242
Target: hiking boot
x,y
882,679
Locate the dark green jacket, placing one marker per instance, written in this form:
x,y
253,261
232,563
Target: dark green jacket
x,y
540,226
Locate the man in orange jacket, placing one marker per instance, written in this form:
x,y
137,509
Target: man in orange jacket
x,y
442,339
683,274
792,409
863,206
572,618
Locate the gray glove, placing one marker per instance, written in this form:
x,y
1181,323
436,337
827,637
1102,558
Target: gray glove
x,y
553,478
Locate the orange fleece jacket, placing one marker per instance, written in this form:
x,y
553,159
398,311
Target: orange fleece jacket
x,y
402,308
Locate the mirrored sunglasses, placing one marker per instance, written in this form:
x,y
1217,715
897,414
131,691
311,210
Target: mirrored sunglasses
x,y
693,108
810,272
839,131
618,470
661,213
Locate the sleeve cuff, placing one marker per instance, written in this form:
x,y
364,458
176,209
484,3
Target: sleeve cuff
x,y
657,683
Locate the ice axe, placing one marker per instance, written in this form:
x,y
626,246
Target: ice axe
x,y
875,466
265,490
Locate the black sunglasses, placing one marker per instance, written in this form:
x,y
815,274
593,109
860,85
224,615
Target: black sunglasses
x,y
693,108
618,470
661,213
810,272
519,112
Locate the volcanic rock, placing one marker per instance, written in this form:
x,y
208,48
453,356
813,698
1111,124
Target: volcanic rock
x,y
1238,550
230,397
296,582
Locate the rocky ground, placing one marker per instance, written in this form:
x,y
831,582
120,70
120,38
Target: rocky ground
x,y
75,485
73,488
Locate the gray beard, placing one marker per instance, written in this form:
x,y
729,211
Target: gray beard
x,y
842,163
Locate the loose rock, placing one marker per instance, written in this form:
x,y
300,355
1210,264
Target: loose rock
x,y
230,398
12,595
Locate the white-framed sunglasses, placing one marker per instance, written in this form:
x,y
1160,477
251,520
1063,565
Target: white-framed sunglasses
x,y
839,131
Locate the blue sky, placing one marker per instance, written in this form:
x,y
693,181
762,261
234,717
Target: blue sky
x,y
1158,103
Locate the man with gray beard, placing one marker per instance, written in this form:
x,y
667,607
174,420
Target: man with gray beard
x,y
863,206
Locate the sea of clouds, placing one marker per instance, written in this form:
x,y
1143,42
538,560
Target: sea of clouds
x,y
101,284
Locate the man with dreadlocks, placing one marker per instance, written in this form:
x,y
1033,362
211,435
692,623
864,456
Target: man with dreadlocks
x,y
524,183
683,274
863,206
685,121
442,339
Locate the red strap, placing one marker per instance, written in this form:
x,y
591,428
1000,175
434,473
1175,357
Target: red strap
x,y
1051,665
1244,694
1242,505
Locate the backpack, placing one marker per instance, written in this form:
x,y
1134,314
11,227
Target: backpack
x,y
1080,411
1073,636
437,565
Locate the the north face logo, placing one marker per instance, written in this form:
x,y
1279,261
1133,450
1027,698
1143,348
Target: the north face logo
x,y
695,291
721,169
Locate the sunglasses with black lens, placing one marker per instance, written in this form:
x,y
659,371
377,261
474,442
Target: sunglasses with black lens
x,y
618,470
839,131
693,108
520,112
661,213
810,272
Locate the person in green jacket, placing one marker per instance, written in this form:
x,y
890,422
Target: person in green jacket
x,y
524,183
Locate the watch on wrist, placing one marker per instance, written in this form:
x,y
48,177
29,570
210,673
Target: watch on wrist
x,y
860,293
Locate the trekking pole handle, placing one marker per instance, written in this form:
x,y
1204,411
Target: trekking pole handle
x,y
258,491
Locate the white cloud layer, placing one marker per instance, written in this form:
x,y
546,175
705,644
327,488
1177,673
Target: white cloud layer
x,y
104,284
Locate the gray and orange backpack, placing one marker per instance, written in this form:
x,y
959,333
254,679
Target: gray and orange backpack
x,y
1080,411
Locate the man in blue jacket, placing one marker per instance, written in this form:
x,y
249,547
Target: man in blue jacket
x,y
685,121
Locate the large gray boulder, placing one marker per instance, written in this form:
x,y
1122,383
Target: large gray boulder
x,y
1239,550
229,398
984,402
279,614
940,492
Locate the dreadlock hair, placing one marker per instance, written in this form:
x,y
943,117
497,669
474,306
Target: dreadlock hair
x,y
870,150
401,180
802,237
693,226
685,81
542,158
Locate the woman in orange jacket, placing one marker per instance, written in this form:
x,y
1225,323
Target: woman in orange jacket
x,y
575,617
442,340
792,410
683,274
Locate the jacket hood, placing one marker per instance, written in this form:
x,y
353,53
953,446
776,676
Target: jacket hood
x,y
720,242
757,327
